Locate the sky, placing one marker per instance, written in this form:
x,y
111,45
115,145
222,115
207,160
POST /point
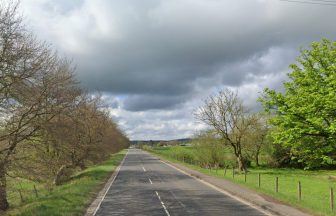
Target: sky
x,y
155,61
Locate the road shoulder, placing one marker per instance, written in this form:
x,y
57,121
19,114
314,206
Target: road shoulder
x,y
264,202
94,206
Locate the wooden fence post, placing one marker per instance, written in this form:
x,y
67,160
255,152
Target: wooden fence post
x,y
299,191
332,199
259,183
276,184
233,174
35,190
225,170
21,197
245,174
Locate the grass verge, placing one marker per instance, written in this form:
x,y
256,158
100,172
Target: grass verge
x,y
71,198
315,185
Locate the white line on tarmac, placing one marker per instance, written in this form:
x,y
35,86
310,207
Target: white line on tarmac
x,y
144,169
163,205
220,190
117,172
150,181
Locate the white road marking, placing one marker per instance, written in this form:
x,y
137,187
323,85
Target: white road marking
x,y
220,190
150,181
108,188
144,169
162,203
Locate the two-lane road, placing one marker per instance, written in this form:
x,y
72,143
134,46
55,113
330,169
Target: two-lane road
x,y
147,186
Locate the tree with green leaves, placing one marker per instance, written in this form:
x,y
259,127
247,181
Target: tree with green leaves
x,y
256,139
305,113
209,149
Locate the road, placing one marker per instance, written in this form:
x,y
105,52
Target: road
x,y
147,186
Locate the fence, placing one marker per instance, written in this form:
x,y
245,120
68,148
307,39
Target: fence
x,y
297,191
20,191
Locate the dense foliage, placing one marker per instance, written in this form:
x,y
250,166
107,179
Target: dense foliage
x,y
298,128
304,114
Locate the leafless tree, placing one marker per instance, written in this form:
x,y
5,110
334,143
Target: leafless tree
x,y
227,115
47,122
22,57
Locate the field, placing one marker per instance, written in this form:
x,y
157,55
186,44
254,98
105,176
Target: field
x,y
71,198
315,185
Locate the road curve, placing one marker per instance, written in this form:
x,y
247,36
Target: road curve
x,y
146,186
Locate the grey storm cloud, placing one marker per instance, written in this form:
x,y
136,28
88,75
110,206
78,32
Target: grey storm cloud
x,y
162,47
147,102
160,55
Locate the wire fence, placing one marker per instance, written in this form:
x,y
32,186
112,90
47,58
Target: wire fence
x,y
20,191
299,190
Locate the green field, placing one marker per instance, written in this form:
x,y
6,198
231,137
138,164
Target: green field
x,y
315,184
71,198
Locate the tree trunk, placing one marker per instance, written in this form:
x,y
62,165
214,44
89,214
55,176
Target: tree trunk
x,y
257,159
3,187
82,166
62,175
257,156
241,163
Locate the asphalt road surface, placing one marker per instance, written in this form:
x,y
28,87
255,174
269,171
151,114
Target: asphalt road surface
x,y
147,186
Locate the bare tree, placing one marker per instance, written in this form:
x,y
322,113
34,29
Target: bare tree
x,y
25,97
226,114
46,121
21,58
59,93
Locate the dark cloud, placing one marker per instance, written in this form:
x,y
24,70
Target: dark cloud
x,y
167,55
162,48
148,102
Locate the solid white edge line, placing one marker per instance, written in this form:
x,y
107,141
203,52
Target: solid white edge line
x,y
221,190
108,188
150,180
162,203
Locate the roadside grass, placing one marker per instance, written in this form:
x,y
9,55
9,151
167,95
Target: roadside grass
x,y
71,198
315,184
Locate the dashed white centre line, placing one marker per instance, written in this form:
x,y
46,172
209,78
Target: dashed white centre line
x,y
163,205
144,169
150,181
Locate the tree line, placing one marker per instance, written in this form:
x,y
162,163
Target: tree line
x,y
296,128
49,125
